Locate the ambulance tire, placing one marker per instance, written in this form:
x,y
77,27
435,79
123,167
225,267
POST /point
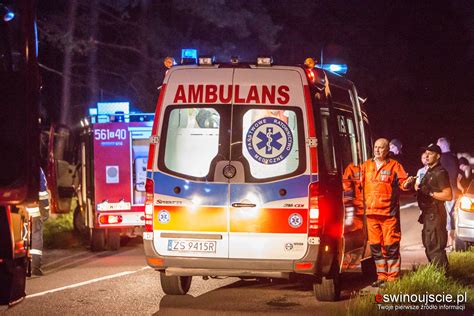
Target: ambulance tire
x,y
368,269
175,285
97,239
459,245
329,290
113,239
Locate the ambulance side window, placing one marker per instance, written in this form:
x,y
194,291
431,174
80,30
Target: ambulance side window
x,y
347,140
192,140
327,143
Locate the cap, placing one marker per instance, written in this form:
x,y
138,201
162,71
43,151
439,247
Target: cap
x,y
434,148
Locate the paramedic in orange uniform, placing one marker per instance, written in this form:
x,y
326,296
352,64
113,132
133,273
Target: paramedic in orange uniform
x,y
382,179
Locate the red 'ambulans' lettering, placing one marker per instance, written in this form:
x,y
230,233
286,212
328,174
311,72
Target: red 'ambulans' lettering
x,y
226,93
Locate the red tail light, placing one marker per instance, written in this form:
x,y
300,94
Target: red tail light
x,y
149,189
313,229
110,219
311,76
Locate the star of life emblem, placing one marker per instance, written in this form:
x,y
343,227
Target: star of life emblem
x,y
269,140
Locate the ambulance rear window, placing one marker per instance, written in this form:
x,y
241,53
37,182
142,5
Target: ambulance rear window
x,y
192,140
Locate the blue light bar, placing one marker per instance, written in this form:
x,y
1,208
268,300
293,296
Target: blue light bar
x,y
336,68
8,15
189,55
92,111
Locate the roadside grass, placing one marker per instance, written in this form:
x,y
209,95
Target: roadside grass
x,y
426,279
462,266
58,231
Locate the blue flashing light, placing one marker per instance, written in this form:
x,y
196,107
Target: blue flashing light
x,y
93,111
189,54
110,108
336,68
6,14
9,15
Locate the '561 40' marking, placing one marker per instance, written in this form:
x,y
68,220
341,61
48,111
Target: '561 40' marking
x,y
107,134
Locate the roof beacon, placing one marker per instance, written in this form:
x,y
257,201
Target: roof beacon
x,y
340,69
264,61
206,60
189,56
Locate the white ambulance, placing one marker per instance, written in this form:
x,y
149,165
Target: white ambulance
x,y
248,175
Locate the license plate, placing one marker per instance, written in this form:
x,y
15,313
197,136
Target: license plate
x,y
192,245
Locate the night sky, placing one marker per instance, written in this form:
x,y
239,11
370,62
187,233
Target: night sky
x,y
412,60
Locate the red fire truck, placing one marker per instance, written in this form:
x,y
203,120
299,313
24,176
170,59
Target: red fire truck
x,y
19,140
104,168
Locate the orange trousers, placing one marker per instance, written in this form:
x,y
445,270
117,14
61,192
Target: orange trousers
x,y
384,239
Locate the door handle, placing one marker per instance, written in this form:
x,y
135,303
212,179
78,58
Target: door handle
x,y
243,205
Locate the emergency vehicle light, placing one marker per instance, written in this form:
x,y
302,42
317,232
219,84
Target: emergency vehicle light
x,y
337,68
309,62
206,60
8,15
149,204
264,61
189,55
93,111
169,62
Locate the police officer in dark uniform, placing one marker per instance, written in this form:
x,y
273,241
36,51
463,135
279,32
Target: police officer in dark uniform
x,y
433,191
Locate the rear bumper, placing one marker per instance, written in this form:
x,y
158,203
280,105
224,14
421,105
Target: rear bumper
x,y
465,225
186,266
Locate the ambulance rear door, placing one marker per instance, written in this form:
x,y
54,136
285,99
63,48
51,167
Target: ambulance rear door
x,y
191,204
269,193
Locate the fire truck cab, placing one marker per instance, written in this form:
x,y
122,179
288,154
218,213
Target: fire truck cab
x,y
253,172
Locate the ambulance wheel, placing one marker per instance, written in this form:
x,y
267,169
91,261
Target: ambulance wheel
x,y
368,269
459,245
175,285
97,239
113,239
329,289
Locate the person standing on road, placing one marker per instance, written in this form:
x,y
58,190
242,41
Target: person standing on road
x,y
396,150
433,191
382,179
39,214
449,161
422,171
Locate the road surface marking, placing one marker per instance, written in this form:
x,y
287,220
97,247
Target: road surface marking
x,y
117,275
408,205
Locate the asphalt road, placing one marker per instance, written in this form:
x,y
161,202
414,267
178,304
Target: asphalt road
x,y
77,281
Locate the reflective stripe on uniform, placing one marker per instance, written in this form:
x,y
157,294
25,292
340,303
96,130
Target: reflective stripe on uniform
x,y
393,264
33,211
43,195
381,265
36,252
